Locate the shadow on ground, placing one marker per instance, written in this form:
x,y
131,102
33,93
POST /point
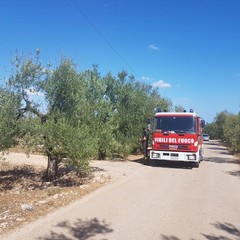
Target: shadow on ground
x,y
234,173
165,237
164,164
81,230
218,148
171,164
10,177
230,229
222,160
29,177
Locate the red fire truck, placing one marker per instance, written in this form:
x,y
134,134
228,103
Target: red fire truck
x,y
177,136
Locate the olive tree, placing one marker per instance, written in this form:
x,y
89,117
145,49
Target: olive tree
x,y
101,114
67,131
179,108
231,132
220,121
15,100
9,105
133,103
61,129
84,115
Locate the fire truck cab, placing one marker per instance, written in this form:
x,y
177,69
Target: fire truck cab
x,y
177,136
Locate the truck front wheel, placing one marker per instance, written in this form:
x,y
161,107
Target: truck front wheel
x,y
196,165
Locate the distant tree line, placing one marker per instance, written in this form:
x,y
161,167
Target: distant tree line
x,y
226,128
84,115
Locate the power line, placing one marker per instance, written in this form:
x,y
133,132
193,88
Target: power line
x,y
103,37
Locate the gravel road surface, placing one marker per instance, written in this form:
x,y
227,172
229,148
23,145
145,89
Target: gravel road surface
x,y
169,202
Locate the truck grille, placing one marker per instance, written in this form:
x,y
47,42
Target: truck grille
x,y
174,147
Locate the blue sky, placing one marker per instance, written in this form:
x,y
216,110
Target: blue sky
x,y
190,49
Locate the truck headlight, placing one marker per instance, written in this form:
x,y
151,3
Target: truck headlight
x,y
155,155
191,157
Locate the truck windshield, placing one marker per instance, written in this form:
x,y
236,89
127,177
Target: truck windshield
x,y
177,124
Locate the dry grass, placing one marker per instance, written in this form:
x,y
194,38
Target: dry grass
x,y
21,187
24,197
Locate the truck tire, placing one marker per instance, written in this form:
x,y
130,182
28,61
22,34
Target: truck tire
x,y
196,165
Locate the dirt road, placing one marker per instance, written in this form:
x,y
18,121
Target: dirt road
x,y
167,202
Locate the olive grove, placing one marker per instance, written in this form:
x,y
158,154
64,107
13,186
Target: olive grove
x,y
83,115
226,128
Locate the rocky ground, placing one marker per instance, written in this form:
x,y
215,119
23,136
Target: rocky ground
x,y
24,197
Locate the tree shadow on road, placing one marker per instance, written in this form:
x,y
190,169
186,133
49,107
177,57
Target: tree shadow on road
x,y
164,237
222,160
218,148
226,228
81,230
234,173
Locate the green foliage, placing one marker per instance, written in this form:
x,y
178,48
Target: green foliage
x,y
179,108
67,142
27,74
86,115
211,130
220,121
226,127
9,104
232,132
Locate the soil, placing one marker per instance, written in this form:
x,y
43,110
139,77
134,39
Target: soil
x,y
24,197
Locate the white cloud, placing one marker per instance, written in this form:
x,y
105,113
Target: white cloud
x,y
161,84
153,47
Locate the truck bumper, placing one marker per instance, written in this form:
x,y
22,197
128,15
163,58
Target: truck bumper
x,y
174,156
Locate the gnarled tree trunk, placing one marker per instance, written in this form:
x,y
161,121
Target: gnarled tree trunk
x,y
52,168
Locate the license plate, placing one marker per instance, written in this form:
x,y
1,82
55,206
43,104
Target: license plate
x,y
173,147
